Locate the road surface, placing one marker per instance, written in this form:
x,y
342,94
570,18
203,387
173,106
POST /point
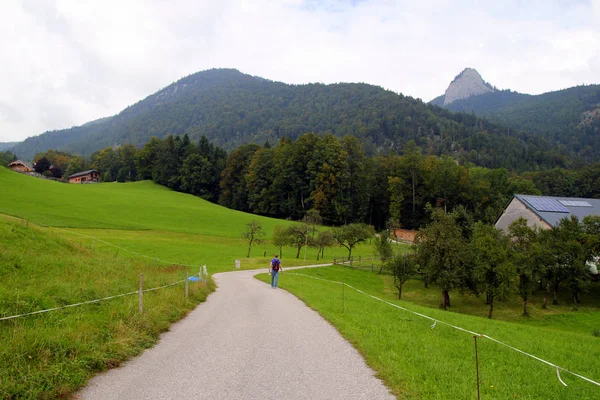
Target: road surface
x,y
247,341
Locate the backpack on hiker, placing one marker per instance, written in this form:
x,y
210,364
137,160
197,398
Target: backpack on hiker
x,y
275,265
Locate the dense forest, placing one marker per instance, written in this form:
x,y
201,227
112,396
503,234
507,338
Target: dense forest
x,y
568,118
331,175
233,109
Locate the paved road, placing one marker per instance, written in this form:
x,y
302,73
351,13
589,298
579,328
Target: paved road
x,y
247,341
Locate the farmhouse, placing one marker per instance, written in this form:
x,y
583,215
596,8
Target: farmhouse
x,y
545,212
20,166
89,176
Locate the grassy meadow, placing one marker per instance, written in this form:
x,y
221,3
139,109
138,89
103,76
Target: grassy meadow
x,y
420,362
149,219
52,354
62,244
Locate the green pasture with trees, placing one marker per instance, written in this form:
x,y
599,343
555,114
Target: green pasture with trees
x,y
315,199
418,360
330,175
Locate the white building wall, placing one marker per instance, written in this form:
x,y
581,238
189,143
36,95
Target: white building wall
x,y
516,210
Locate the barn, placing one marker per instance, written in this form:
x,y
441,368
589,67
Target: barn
x,y
21,166
90,176
545,212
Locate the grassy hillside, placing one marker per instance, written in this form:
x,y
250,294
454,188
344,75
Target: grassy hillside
x,y
139,206
50,355
149,219
418,361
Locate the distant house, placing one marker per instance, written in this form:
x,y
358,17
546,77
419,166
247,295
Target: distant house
x,y
21,166
89,176
545,212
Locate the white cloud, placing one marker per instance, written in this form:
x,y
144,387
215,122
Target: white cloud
x,y
70,61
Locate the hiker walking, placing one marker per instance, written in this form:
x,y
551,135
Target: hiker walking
x,y
275,269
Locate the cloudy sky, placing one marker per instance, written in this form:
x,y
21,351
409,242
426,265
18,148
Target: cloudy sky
x,y
66,62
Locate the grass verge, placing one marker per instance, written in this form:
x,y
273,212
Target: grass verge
x,y
53,354
418,361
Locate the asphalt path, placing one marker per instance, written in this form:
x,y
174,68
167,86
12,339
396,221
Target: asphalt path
x,y
247,341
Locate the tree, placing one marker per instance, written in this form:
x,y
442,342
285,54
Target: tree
x,y
493,272
524,255
297,235
6,157
403,267
396,197
393,226
254,233
350,235
325,239
414,164
567,257
41,165
280,238
197,176
77,164
381,245
442,253
234,192
146,157
312,219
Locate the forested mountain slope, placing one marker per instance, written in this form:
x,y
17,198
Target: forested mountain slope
x,y
569,118
232,108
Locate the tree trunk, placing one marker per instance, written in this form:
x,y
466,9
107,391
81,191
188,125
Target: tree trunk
x,y
445,300
525,312
491,307
249,246
487,299
555,294
545,303
399,286
575,300
298,252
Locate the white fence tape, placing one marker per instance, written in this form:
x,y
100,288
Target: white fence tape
x,y
201,274
91,301
435,321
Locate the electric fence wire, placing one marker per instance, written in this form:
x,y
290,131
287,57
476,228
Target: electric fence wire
x,y
104,298
93,301
435,321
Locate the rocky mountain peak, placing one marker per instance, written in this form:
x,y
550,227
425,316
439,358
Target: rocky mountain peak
x,y
466,84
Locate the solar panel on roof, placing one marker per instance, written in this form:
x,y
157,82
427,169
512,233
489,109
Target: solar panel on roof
x,y
575,203
545,204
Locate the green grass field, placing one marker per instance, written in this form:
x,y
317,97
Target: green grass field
x,y
52,354
417,361
70,243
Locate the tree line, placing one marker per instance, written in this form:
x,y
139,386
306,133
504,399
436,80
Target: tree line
x,y
331,175
455,253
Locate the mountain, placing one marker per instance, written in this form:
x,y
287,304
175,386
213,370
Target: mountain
x,y
465,85
568,118
232,108
7,145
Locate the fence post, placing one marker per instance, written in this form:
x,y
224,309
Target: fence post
x,y
141,293
187,283
477,367
343,298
